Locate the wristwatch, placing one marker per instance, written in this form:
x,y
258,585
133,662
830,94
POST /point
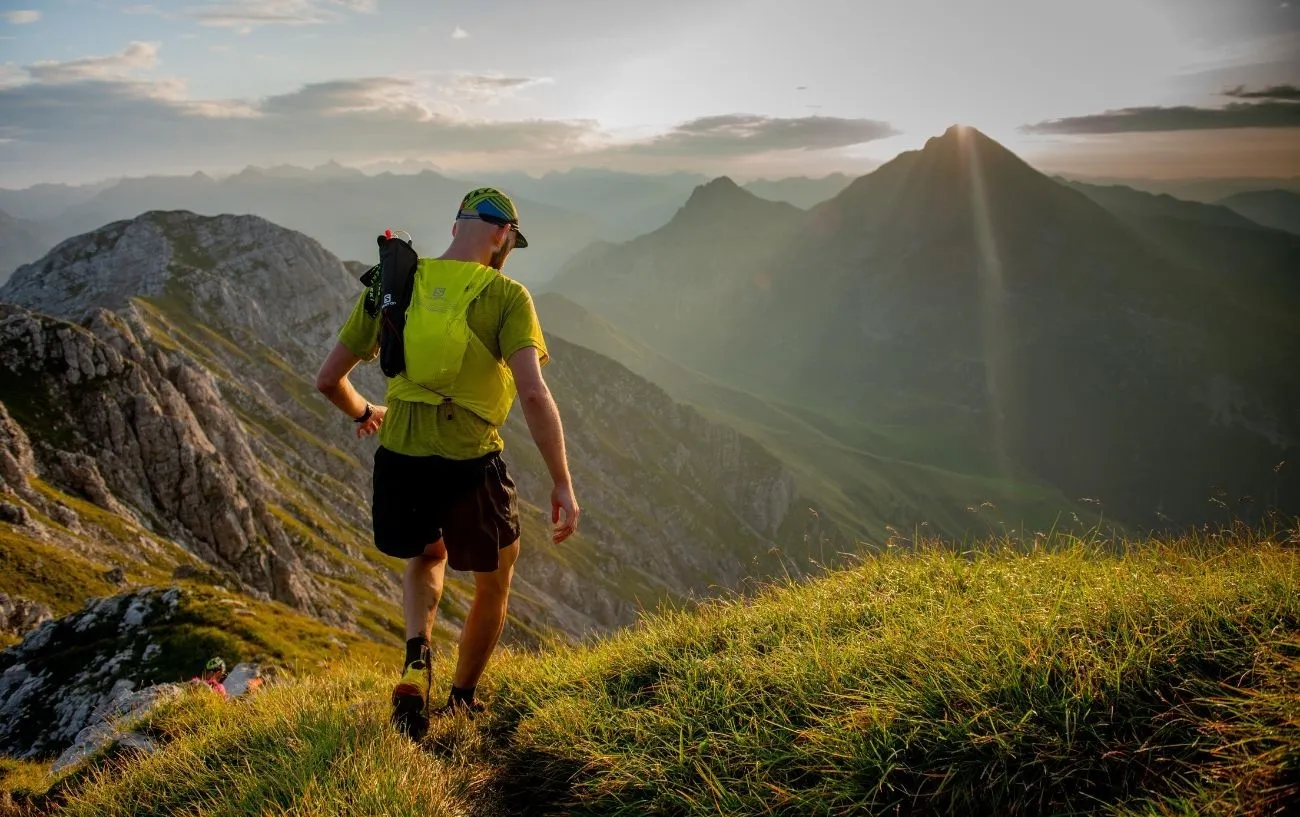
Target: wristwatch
x,y
366,415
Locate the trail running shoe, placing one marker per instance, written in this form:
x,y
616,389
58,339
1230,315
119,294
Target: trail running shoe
x,y
411,700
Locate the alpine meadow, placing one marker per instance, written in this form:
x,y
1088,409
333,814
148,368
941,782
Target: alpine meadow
x,y
650,409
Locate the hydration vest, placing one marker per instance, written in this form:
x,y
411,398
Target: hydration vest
x,y
426,346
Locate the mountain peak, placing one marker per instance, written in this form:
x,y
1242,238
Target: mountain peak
x,y
719,188
722,193
952,168
726,200
231,264
969,141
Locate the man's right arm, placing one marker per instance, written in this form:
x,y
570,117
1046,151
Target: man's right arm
x,y
543,419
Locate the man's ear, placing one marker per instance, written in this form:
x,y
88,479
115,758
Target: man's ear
x,y
455,225
499,238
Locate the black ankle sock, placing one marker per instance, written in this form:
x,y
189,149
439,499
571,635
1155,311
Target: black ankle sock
x,y
458,696
417,649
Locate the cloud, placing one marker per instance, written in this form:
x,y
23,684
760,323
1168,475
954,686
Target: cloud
x,y
21,17
246,14
746,134
111,115
137,56
1286,93
351,96
11,74
1268,114
460,34
75,120
489,87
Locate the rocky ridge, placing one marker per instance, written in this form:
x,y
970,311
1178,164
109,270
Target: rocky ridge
x,y
143,434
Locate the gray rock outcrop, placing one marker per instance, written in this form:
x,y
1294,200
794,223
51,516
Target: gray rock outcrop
x,y
18,615
64,672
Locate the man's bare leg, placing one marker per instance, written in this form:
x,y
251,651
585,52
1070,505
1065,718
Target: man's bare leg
x,y
422,589
486,619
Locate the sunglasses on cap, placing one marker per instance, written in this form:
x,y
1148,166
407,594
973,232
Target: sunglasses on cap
x,y
520,241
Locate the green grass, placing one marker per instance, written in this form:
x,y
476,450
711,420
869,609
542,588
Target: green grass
x,y
48,574
239,629
23,783
1085,678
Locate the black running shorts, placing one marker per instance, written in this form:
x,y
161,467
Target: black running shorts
x,y
470,504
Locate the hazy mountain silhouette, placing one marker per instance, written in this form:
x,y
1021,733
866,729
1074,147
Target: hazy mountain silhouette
x,y
628,204
800,191
342,208
21,241
1126,201
47,201
1207,190
958,293
695,277
1279,209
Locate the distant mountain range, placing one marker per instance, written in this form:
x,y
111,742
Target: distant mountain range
x,y
1272,208
21,241
1137,352
345,208
1134,203
1208,190
800,191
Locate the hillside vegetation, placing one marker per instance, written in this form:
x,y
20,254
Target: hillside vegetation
x,y
1059,676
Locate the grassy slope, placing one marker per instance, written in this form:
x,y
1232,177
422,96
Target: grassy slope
x,y
1008,681
868,476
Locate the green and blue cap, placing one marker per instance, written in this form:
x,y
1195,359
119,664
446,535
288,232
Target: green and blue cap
x,y
491,205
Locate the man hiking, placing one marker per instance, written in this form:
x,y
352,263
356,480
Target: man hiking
x,y
441,492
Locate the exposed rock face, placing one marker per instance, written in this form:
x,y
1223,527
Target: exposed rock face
x,y
110,723
17,463
143,434
18,615
54,682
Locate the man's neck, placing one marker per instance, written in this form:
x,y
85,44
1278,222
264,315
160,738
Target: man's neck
x,y
454,253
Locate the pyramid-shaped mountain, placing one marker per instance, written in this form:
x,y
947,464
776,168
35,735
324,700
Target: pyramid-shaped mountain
x,y
961,296
693,283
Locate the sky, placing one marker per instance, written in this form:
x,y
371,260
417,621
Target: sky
x,y
95,89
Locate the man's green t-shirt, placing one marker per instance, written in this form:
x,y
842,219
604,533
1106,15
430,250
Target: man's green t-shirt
x,y
503,317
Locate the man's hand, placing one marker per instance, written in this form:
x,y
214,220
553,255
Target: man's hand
x,y
373,422
564,513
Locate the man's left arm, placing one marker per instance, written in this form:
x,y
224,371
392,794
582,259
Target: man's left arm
x,y
332,381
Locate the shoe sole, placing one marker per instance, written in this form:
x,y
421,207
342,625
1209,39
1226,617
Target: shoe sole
x,y
408,712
